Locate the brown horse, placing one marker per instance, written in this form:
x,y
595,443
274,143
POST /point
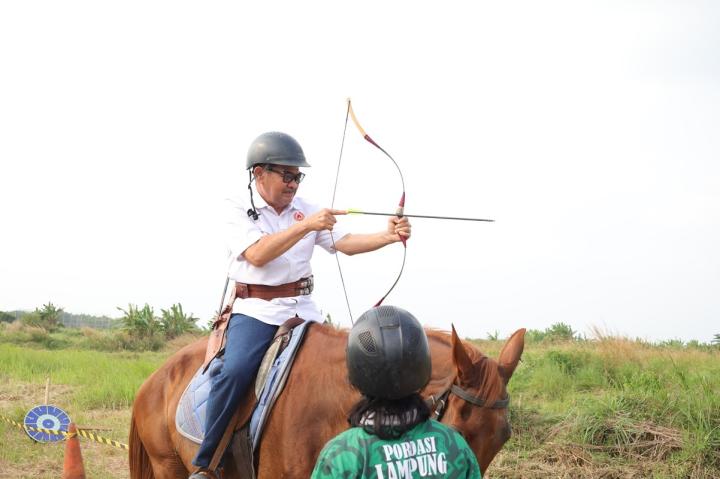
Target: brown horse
x,y
468,386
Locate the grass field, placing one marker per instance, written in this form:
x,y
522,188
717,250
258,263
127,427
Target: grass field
x,y
610,408
613,409
96,388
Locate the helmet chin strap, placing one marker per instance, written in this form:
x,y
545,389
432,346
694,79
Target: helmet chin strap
x,y
252,212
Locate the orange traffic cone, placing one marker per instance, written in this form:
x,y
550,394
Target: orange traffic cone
x,y
73,465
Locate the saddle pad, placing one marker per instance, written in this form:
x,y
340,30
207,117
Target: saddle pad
x,y
191,411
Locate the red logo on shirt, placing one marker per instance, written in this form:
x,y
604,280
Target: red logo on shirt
x,y
299,216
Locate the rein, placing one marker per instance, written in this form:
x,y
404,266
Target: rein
x,y
438,404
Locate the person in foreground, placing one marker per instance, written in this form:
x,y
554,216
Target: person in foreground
x,y
392,435
271,235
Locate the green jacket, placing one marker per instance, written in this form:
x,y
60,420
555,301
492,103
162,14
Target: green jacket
x,y
429,450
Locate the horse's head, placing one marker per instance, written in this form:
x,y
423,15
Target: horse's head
x,y
477,401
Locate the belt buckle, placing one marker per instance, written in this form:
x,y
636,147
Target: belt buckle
x,y
306,286
241,290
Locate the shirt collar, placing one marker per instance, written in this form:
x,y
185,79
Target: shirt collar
x,y
261,203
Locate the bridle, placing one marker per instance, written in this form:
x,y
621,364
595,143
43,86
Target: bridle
x,y
438,404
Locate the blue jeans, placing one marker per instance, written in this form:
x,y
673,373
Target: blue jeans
x,y
247,341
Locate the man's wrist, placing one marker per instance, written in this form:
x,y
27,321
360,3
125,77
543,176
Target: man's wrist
x,y
301,228
390,238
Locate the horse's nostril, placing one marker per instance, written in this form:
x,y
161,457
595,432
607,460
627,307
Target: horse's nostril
x,y
507,430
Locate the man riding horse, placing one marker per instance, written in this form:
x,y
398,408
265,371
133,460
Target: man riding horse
x,y
271,239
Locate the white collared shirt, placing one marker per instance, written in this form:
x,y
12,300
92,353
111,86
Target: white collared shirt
x,y
294,264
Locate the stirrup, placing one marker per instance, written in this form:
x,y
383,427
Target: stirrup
x,y
204,473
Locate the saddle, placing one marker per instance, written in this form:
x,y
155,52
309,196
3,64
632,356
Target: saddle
x,y
245,429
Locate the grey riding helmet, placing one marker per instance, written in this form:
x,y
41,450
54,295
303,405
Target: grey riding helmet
x,y
275,148
388,354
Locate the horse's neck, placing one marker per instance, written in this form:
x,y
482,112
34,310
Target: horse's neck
x,y
443,369
324,351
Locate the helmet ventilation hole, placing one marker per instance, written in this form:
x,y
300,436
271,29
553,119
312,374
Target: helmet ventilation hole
x,y
367,342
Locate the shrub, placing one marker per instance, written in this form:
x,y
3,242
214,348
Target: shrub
x,y
560,331
534,335
568,362
124,341
20,332
32,320
556,332
6,317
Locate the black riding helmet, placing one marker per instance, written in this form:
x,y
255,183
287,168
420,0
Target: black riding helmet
x,y
275,148
388,354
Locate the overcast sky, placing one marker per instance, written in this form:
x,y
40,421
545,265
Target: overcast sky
x,y
587,130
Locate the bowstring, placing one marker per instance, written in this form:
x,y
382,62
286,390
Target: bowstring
x,y
332,206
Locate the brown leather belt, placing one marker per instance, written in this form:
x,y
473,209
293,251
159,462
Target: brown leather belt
x,y
300,287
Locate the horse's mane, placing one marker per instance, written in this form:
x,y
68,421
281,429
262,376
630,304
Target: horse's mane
x,y
332,330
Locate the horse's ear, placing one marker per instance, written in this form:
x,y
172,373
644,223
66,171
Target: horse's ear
x,y
510,354
460,356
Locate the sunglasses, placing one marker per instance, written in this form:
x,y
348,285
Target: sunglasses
x,y
287,176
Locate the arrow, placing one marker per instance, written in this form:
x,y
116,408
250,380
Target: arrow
x,y
454,218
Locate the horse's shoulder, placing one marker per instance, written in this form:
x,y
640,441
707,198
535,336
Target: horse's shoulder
x,y
188,358
191,351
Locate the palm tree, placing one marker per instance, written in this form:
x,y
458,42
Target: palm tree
x,y
175,322
49,316
140,323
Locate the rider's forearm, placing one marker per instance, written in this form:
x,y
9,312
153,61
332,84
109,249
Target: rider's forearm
x,y
273,245
362,243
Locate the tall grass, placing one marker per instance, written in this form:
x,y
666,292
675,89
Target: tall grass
x,y
98,380
651,409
